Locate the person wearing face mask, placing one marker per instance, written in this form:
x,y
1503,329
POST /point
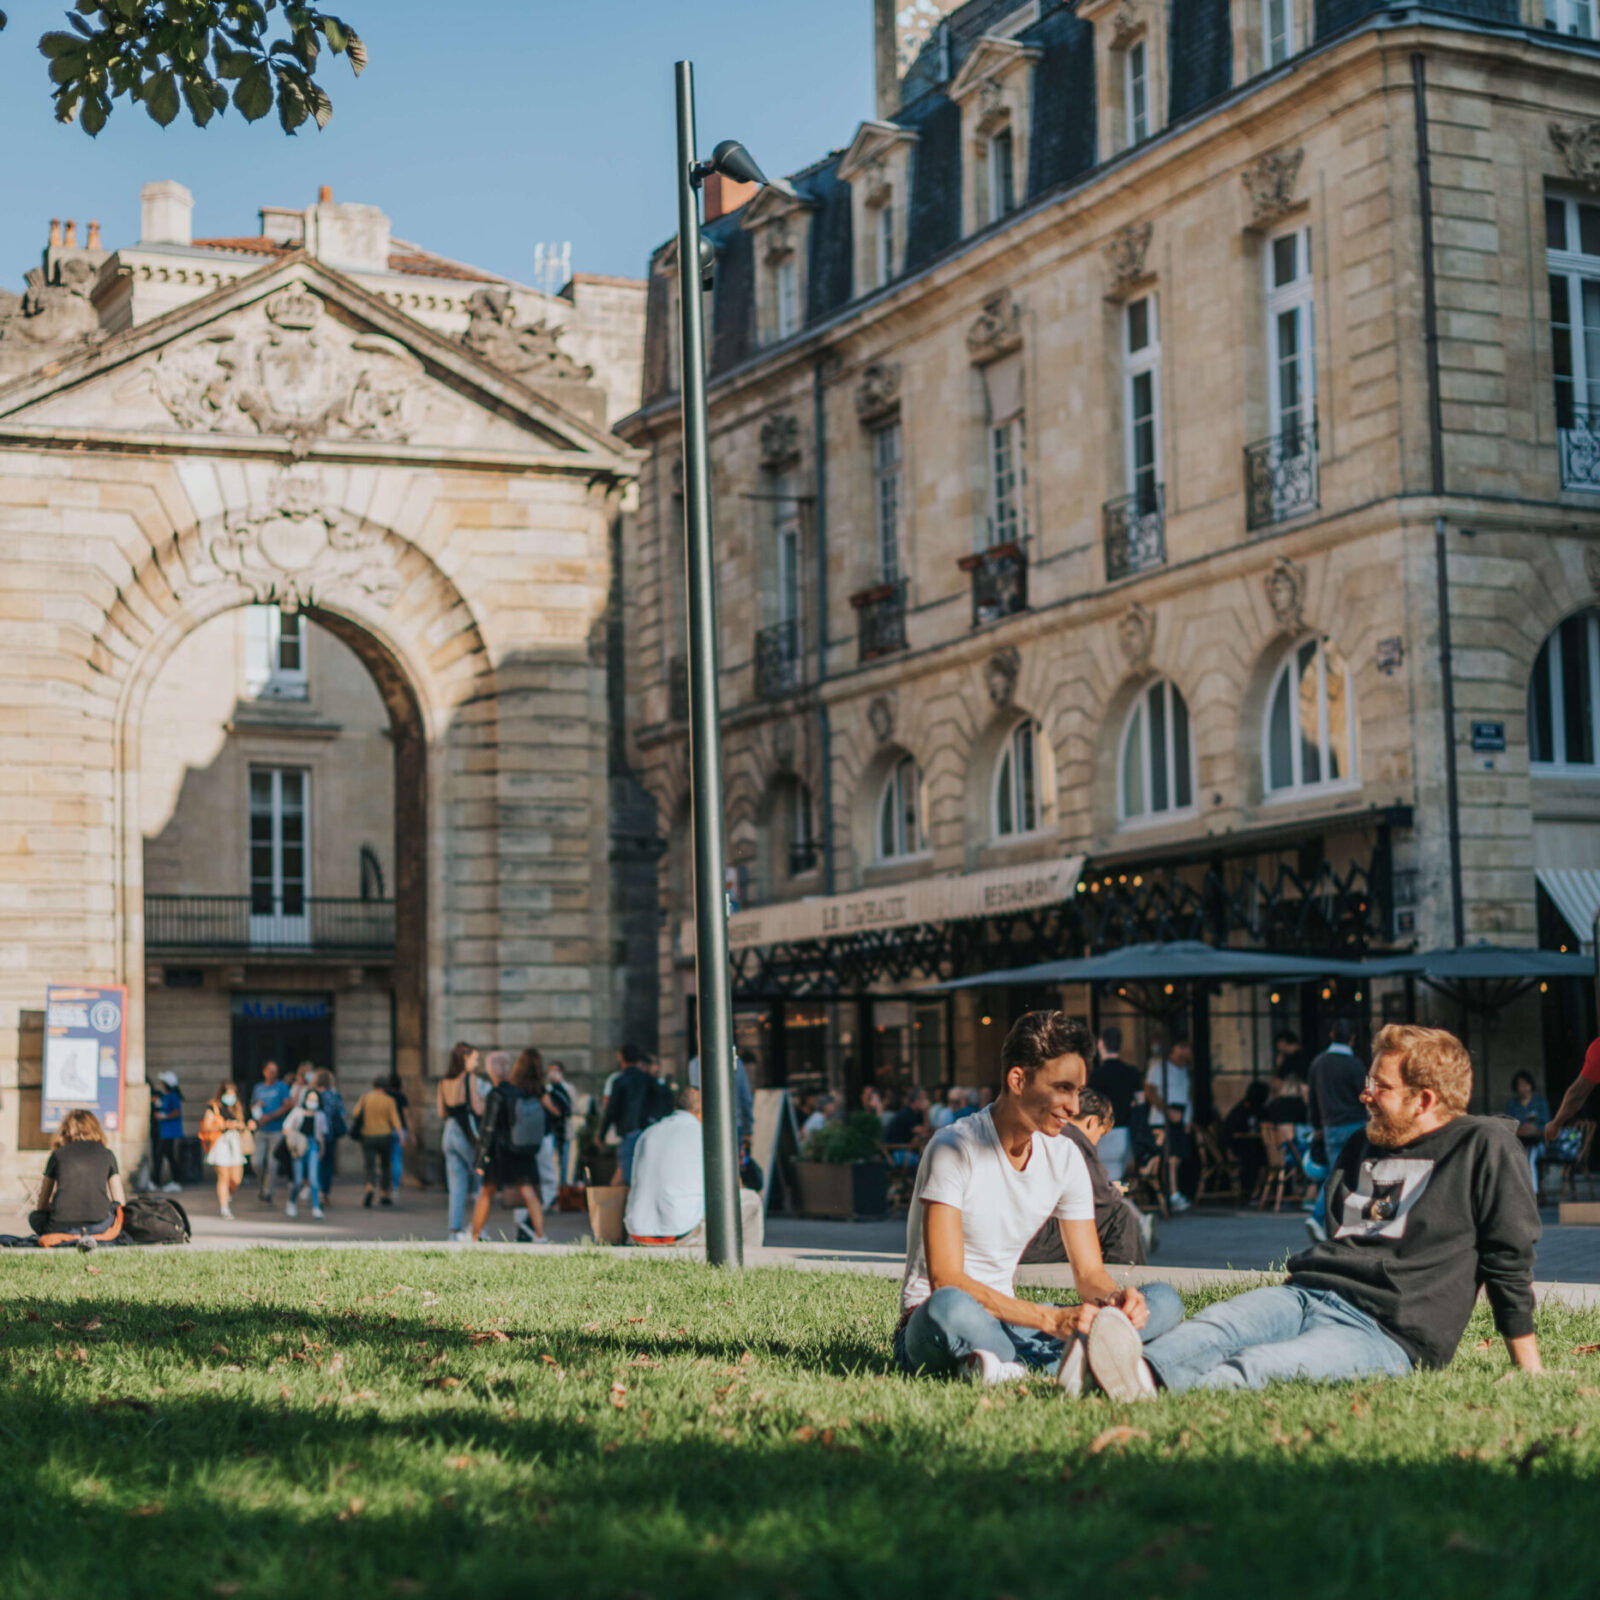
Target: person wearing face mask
x,y
305,1130
222,1137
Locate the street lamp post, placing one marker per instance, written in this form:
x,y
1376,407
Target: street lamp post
x,y
724,1244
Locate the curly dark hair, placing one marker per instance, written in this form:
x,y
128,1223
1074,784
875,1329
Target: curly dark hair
x,y
1042,1036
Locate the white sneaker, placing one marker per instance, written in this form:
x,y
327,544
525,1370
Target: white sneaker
x,y
1147,1231
1319,1234
227,1212
461,1236
291,1210
1116,1357
316,1211
985,1367
1069,1375
1178,1202
172,1188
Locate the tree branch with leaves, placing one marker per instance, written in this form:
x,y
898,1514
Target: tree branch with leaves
x,y
171,53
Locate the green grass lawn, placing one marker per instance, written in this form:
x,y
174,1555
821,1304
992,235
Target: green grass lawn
x,y
433,1423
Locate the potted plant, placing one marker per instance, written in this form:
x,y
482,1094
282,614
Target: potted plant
x,y
844,1173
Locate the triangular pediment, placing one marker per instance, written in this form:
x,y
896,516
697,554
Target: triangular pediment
x,y
771,204
299,356
990,59
873,141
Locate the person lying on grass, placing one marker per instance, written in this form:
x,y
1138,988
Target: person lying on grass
x,y
985,1186
1423,1205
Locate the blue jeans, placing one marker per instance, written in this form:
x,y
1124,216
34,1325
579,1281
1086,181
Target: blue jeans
x,y
949,1325
1271,1335
397,1159
1334,1138
460,1178
307,1169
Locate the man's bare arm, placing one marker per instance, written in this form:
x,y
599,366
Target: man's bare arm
x,y
1572,1102
1524,1353
946,1250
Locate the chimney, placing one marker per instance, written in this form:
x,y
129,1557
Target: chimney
x,y
725,195
166,213
55,233
71,239
94,234
886,57
325,195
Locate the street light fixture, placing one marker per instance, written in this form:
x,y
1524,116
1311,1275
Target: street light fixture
x,y
724,1241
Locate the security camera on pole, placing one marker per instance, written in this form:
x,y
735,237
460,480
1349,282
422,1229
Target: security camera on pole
x,y
696,263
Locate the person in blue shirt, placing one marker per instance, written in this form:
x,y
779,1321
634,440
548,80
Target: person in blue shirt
x,y
269,1105
168,1120
1530,1112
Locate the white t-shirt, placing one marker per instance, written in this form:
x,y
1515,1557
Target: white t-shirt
x,y
1001,1208
1174,1090
668,1195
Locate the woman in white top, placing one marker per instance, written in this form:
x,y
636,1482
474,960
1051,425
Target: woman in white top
x,y
305,1130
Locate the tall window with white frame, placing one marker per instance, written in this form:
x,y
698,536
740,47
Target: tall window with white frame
x,y
1564,700
280,844
1002,174
1142,404
1277,32
1576,17
1290,345
1008,450
1018,785
1136,91
1572,238
900,812
788,552
1156,770
786,296
1309,742
886,496
275,654
884,241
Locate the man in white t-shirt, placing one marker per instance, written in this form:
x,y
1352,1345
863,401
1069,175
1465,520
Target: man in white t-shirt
x,y
985,1186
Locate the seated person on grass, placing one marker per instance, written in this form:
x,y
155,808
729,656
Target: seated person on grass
x,y
666,1201
1117,1220
82,1187
985,1187
1424,1204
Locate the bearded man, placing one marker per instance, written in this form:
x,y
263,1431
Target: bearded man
x,y
1423,1206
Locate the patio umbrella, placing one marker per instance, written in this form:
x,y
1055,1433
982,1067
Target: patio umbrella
x,y
1174,961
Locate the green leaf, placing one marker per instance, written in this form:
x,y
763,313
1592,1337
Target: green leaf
x,y
56,45
161,98
252,98
335,32
197,96
321,105
95,111
68,69
357,53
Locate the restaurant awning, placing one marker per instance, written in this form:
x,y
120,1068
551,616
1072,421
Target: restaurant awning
x,y
1576,893
951,897
1482,963
1175,961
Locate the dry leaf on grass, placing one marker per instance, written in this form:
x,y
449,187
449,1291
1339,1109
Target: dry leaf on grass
x,y
441,1383
153,1509
460,1463
619,1396
1484,1344
354,1509
591,1327
220,1350
1586,1349
336,1364
1121,1438
358,1394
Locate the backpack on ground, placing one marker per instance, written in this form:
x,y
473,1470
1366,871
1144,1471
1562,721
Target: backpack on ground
x,y
527,1124
155,1219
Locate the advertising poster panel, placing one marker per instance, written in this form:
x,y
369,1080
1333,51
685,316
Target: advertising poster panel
x,y
85,1044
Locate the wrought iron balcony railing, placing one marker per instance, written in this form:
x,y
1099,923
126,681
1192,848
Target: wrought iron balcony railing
x,y
778,663
999,582
881,619
1280,477
1136,533
1578,434
200,922
678,689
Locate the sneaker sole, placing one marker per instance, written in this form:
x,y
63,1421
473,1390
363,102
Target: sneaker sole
x,y
1116,1354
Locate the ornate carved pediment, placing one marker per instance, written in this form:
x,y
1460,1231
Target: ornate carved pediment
x,y
1126,28
1286,594
1579,144
1125,255
1136,633
296,373
997,330
780,440
55,310
1270,185
1000,674
531,352
993,112
878,393
301,546
777,242
880,715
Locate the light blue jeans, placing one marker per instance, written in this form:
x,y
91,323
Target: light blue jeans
x,y
949,1325
460,1178
1275,1335
307,1169
1334,1140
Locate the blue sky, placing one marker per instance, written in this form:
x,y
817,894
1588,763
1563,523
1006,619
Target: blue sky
x,y
481,127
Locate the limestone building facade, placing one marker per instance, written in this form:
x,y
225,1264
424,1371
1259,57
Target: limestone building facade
x,y
309,574
1094,437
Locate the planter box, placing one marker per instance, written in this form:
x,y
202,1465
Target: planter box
x,y
827,1189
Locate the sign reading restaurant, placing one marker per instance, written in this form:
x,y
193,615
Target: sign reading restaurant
x,y
952,898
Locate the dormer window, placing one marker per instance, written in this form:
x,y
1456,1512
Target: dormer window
x,y
1130,81
877,166
781,224
1277,31
1136,93
1002,174
785,291
994,89
884,235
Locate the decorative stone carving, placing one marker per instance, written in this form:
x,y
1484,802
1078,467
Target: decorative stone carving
x,y
783,745
1125,28
295,375
1579,145
529,352
993,112
1125,255
301,547
997,330
1136,633
778,245
1270,185
53,311
878,393
1591,566
1000,675
1286,594
780,440
880,714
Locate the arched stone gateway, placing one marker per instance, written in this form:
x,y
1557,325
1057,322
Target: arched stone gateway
x,y
293,444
